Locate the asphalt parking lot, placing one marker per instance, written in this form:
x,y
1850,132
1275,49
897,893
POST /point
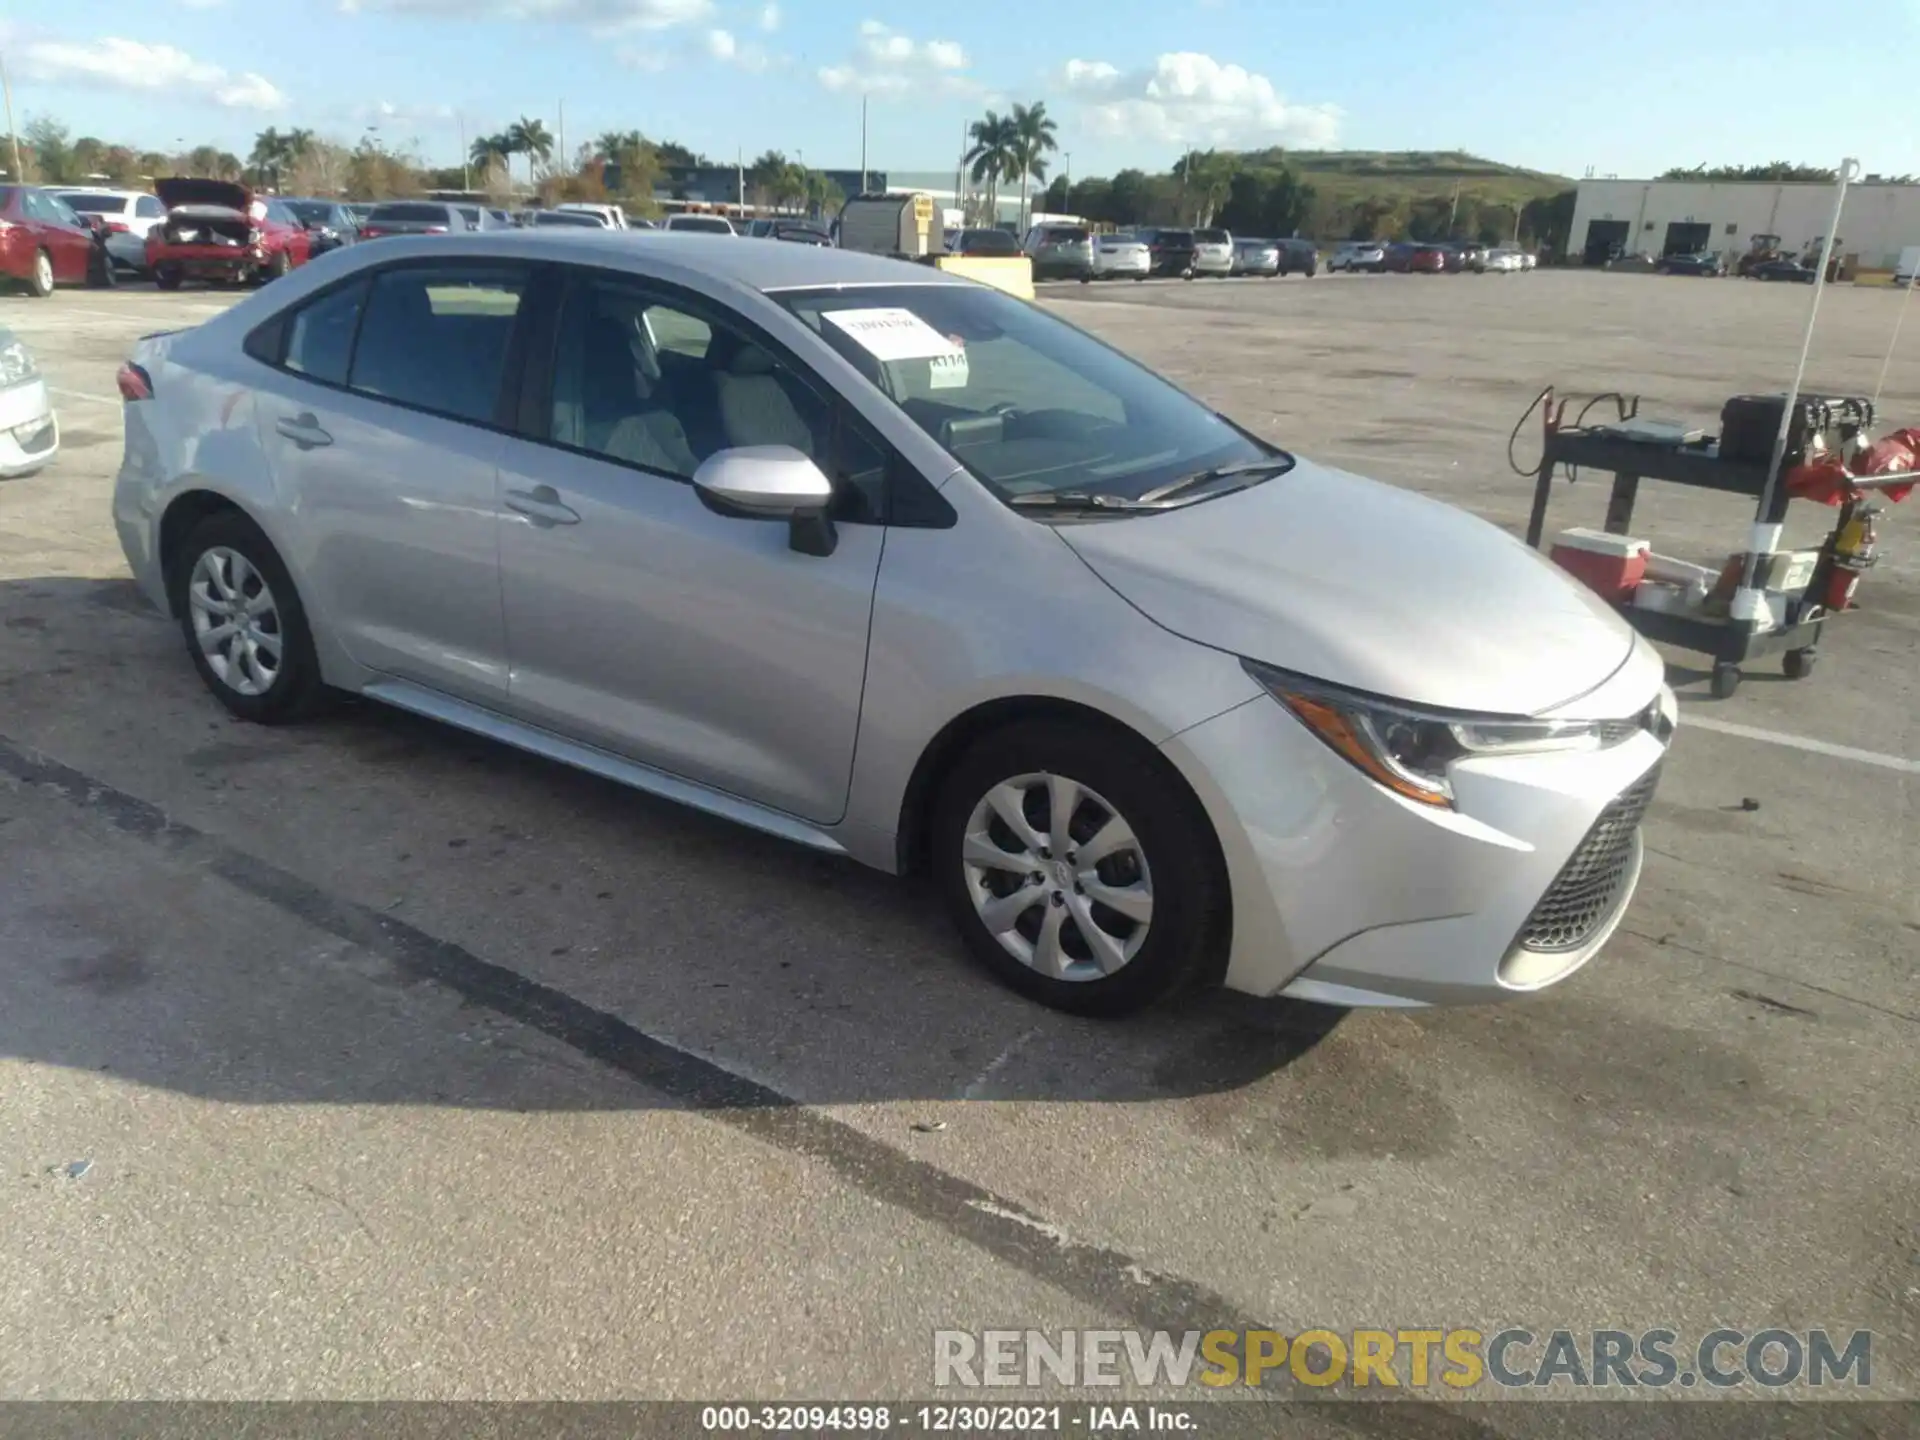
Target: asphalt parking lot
x,y
369,1060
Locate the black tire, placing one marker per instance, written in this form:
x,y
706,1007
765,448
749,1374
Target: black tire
x,y
39,280
1191,920
167,277
1798,664
100,273
1726,680
277,267
296,690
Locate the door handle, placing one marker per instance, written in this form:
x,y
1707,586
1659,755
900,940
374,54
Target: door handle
x,y
542,505
303,430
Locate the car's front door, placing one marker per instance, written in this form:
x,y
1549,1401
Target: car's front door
x,y
639,620
67,238
380,418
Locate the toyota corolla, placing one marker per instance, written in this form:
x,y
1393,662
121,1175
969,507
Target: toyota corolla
x,y
898,567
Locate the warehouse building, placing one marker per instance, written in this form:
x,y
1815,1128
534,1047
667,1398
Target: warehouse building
x,y
1679,217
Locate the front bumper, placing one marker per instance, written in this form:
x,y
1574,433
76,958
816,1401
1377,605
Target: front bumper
x,y
1347,894
29,430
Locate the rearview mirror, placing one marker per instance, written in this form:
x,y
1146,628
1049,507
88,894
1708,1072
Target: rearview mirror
x,y
770,482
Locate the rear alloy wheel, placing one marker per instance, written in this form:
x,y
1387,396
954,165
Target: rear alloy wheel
x,y
167,277
1078,869
278,266
243,622
40,280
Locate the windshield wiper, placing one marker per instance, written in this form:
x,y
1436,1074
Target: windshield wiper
x,y
1078,500
1273,464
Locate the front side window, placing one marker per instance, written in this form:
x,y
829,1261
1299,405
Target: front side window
x,y
645,381
436,337
1027,403
320,335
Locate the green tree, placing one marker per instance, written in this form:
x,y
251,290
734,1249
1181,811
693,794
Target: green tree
x,y
532,139
51,161
823,195
990,157
677,156
1206,179
1093,198
1058,198
1034,138
1128,198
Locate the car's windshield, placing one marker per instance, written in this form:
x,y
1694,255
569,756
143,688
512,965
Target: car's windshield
x,y
1029,404
1210,237
436,214
311,212
95,204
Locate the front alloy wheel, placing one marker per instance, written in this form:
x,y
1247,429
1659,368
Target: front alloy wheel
x,y
235,621
1079,867
1058,877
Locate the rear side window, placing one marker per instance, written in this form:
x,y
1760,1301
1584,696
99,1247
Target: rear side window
x,y
148,207
320,334
436,337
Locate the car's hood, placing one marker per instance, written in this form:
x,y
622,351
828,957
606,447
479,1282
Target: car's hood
x,y
178,190
1362,584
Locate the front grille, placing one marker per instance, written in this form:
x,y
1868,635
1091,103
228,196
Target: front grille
x,y
1585,891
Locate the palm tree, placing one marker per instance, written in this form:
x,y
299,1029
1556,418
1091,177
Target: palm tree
x,y
531,139
271,153
487,150
1034,137
990,157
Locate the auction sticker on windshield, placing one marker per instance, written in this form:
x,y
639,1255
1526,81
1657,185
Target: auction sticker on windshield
x,y
892,333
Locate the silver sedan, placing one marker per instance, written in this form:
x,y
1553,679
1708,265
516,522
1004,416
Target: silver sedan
x,y
901,568
29,430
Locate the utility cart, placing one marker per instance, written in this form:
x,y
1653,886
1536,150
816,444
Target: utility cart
x,y
1698,465
1765,600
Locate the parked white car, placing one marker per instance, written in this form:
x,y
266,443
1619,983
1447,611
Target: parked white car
x,y
129,214
701,224
29,430
1121,257
1368,255
1212,252
1505,261
612,216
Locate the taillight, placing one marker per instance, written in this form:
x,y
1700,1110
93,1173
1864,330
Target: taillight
x,y
118,228
436,229
134,382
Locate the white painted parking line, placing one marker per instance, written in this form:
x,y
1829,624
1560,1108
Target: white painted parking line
x,y
113,400
1691,721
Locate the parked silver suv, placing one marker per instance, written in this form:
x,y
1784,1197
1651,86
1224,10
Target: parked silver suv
x,y
1060,251
902,568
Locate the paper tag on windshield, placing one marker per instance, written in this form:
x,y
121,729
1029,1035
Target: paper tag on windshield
x,y
893,333
948,372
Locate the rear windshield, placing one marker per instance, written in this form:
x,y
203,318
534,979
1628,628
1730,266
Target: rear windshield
x,y
311,212
96,204
404,211
567,217
1210,237
997,242
1175,237
1068,233
711,223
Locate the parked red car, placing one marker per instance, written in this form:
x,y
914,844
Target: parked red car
x,y
218,230
1427,260
42,242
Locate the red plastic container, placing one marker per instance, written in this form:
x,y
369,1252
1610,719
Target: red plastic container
x,y
1610,565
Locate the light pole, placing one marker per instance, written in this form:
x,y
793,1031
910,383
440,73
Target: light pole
x,y
13,136
863,144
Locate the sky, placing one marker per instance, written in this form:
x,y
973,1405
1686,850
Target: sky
x,y
1627,88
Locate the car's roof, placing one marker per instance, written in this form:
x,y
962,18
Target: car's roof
x,y
753,267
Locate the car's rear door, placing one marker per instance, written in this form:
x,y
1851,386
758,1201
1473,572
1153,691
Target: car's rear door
x,y
641,621
65,237
380,409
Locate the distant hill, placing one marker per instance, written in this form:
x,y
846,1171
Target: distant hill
x,y
1358,174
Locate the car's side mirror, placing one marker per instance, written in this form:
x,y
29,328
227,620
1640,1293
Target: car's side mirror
x,y
771,482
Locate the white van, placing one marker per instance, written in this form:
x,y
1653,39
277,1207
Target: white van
x,y
612,216
1906,265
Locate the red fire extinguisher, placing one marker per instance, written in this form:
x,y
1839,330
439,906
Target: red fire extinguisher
x,y
1854,550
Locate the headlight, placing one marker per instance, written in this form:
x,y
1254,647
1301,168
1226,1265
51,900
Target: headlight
x,y
1410,750
16,362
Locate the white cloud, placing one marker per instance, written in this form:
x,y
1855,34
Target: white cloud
x,y
605,16
721,45
1195,100
403,112
132,65
651,61
770,17
885,62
